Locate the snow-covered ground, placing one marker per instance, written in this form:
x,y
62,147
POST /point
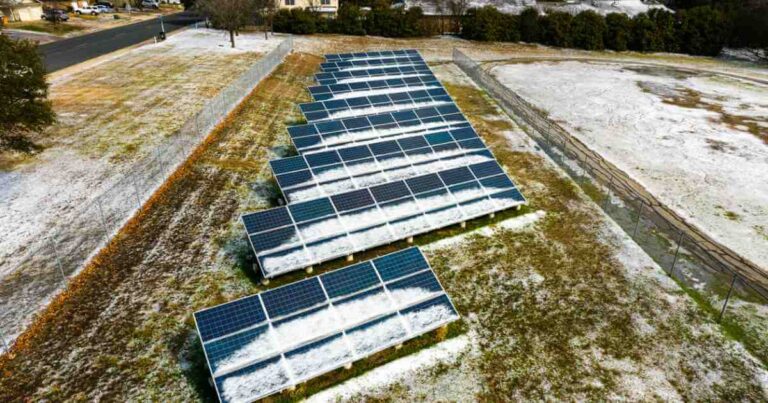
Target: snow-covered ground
x,y
132,103
698,142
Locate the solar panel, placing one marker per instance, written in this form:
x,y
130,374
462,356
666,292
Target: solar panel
x,y
372,104
268,342
355,130
361,64
373,87
354,76
330,227
370,55
324,173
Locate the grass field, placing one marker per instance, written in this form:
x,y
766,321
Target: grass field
x,y
563,308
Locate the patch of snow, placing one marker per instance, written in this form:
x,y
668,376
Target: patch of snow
x,y
365,79
316,360
615,110
242,388
510,224
396,371
384,91
383,109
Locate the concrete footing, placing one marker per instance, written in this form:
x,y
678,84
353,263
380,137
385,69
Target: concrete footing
x,y
348,366
399,346
350,258
518,207
409,240
492,215
309,269
264,281
463,224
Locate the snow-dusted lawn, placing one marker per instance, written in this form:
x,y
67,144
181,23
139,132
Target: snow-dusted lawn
x,y
698,142
109,116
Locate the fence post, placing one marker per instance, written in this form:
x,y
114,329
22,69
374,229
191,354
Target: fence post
x,y
58,261
727,297
677,251
639,215
608,195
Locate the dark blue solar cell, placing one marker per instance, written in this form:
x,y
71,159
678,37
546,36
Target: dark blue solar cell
x,y
454,117
377,85
423,281
266,219
410,143
472,186
224,319
289,164
419,94
352,200
438,138
395,82
355,123
354,153
513,194
472,144
307,142
218,351
293,297
313,116
427,112
437,92
424,183
349,279
456,175
319,89
330,126
311,107
274,238
335,104
301,130
446,147
294,178
390,191
484,169
339,87
384,147
322,158
404,116
497,182
357,86
358,102
310,210
400,97
413,80
442,300
323,76
447,109
400,264
433,119
378,120
463,134
378,99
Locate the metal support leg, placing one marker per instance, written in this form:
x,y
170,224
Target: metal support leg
x,y
677,252
727,297
639,215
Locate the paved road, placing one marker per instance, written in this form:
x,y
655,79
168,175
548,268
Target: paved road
x,y
66,52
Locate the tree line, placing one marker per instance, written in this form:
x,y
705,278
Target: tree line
x,y
700,30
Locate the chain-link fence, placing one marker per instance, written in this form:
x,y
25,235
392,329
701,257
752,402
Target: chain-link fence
x,y
47,267
734,289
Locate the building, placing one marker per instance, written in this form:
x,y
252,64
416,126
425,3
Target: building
x,y
321,6
22,10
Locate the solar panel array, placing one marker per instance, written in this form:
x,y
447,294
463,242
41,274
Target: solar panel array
x,y
367,176
347,77
392,101
340,91
265,343
337,170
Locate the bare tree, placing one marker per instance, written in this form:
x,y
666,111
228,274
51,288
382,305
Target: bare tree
x,y
458,9
229,15
265,11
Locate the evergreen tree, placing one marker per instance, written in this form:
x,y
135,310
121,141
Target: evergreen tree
x,y
530,28
556,29
349,20
703,31
587,31
23,91
618,31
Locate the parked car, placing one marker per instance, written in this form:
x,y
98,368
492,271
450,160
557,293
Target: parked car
x,y
92,10
152,4
54,15
104,9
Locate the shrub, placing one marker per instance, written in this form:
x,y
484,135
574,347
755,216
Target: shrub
x,y
530,27
618,31
587,31
556,29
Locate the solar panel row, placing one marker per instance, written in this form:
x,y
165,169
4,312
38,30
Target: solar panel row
x,y
372,104
268,342
374,87
370,55
361,64
347,77
338,170
311,232
363,129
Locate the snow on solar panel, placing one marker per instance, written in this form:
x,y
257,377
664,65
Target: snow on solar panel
x,y
345,77
325,173
365,129
370,55
268,342
314,231
349,65
374,87
373,104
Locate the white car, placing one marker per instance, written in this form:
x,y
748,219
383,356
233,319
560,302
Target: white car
x,y
103,9
92,10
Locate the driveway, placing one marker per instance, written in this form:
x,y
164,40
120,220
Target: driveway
x,y
67,52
